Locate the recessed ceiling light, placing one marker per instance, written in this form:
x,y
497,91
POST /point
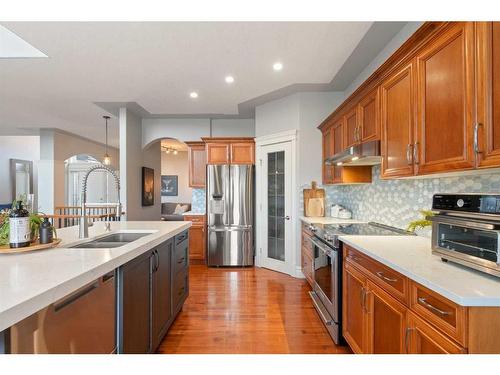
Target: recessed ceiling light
x,y
277,66
193,95
229,79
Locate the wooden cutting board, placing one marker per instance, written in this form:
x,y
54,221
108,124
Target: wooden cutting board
x,y
314,201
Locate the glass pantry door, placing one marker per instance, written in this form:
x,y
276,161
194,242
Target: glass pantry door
x,y
276,194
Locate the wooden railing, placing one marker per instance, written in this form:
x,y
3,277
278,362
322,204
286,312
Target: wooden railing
x,y
66,216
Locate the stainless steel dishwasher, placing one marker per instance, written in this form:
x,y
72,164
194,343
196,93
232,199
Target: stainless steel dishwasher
x,y
82,322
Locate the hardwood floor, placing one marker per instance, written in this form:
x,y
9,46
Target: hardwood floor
x,y
243,311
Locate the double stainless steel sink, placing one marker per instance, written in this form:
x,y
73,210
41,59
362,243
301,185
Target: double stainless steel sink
x,y
111,241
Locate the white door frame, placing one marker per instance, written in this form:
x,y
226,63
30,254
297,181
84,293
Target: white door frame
x,y
286,136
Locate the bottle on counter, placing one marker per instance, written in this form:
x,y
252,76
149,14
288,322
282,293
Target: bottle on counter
x,y
19,226
46,231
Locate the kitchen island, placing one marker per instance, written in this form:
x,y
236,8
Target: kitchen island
x,y
29,282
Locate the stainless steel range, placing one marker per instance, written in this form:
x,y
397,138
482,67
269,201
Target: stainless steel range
x,y
327,289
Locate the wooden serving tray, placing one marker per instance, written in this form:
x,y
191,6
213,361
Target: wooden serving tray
x,y
33,247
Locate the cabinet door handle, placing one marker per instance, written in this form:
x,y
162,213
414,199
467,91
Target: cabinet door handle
x,y
423,302
415,154
362,297
381,275
407,338
476,138
181,260
408,154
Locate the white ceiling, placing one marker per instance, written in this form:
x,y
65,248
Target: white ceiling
x,y
157,65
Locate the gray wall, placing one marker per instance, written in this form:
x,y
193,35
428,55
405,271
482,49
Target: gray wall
x,y
17,147
177,165
191,129
132,159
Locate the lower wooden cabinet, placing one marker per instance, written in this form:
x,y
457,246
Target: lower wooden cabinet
x,y
197,239
384,312
374,322
151,291
307,255
386,323
353,309
422,338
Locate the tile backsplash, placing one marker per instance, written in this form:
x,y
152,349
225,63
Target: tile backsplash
x,y
397,202
198,200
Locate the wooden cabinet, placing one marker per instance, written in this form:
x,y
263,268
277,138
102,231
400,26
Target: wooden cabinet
x,y
386,322
354,326
487,126
397,122
134,294
197,158
218,153
243,153
369,117
328,170
445,101
230,150
422,338
385,312
307,255
434,102
161,290
150,295
351,128
197,239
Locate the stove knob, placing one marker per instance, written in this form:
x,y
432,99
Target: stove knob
x,y
460,203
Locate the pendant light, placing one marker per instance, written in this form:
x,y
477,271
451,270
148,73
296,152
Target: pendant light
x,y
107,159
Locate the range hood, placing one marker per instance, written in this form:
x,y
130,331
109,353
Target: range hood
x,y
367,153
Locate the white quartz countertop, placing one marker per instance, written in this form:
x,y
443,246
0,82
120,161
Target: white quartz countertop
x,y
192,213
33,280
412,257
328,220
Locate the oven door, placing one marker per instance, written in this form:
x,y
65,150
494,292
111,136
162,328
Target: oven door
x,y
326,277
467,242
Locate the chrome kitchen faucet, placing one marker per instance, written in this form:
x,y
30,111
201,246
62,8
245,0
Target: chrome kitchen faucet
x,y
83,228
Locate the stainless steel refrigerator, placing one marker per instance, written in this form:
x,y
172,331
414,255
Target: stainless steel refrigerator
x,y
230,215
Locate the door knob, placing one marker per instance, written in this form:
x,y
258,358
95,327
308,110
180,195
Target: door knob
x,y
286,217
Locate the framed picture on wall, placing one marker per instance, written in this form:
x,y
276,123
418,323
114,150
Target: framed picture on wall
x,y
169,186
148,186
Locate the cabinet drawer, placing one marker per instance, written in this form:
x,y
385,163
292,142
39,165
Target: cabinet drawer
x,y
306,230
307,269
195,218
179,289
180,259
181,237
393,282
446,315
307,245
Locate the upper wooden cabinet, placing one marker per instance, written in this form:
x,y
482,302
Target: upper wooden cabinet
x,y
351,128
369,117
243,153
218,153
397,120
487,127
434,102
230,150
197,158
445,101
328,170
333,142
